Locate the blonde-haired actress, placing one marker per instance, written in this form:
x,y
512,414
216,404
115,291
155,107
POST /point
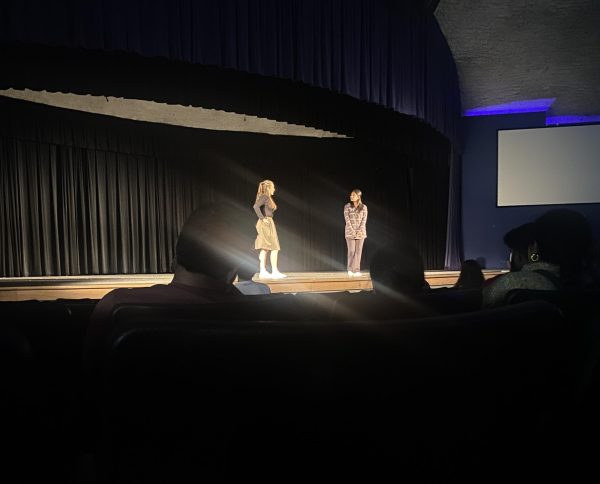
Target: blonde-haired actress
x,y
355,215
266,240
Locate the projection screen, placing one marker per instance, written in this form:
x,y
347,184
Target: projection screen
x,y
549,166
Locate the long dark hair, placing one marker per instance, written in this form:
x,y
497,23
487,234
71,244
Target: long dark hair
x,y
359,195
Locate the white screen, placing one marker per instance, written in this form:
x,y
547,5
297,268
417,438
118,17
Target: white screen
x,y
548,166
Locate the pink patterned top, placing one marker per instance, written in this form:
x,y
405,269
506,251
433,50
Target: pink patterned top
x,y
356,221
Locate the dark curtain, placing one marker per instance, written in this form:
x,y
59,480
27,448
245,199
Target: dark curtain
x,y
90,194
388,53
454,236
348,66
131,76
82,201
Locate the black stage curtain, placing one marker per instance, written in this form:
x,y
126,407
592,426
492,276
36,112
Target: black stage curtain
x,y
388,53
128,76
90,194
454,236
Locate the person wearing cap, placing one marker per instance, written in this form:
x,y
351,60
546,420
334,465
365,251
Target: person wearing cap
x,y
557,244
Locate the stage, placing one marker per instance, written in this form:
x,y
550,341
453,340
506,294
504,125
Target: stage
x,y
94,287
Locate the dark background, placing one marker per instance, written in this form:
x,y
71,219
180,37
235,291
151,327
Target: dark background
x,y
91,194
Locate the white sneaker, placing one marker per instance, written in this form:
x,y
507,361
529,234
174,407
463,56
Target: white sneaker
x,y
264,275
278,275
357,274
350,273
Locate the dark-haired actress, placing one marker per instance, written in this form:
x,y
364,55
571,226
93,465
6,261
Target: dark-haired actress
x,y
355,215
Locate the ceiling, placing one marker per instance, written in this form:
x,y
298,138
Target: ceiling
x,y
508,51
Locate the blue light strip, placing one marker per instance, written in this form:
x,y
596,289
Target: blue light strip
x,y
515,107
572,119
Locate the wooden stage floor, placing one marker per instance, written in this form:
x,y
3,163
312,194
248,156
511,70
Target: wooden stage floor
x,y
94,287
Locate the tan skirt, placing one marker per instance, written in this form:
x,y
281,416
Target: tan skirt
x,y
267,235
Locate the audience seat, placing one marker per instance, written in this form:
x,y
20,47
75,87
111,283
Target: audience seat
x,y
441,398
576,304
370,305
46,425
582,312
581,309
20,418
452,301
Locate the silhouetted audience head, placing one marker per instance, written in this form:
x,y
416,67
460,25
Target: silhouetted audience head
x,y
592,268
562,237
213,242
209,250
247,269
518,240
558,251
398,269
471,276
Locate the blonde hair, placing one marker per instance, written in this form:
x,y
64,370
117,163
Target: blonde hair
x,y
263,189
